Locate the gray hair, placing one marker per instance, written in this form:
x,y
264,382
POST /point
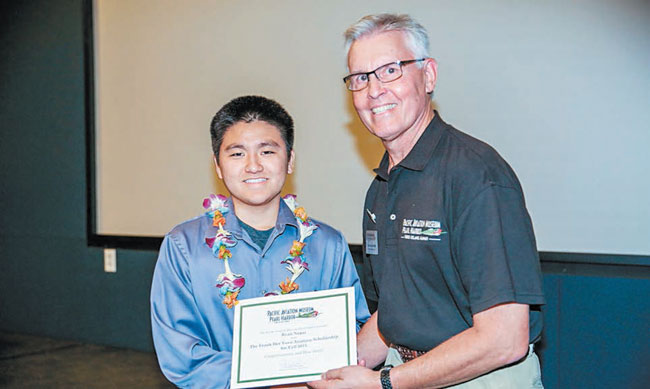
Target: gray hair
x,y
417,36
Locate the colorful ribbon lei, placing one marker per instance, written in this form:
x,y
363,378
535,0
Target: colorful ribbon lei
x,y
229,283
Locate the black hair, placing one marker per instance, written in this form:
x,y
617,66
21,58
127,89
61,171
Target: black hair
x,y
249,109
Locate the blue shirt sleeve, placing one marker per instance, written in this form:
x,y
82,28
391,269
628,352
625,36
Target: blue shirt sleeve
x,y
180,335
345,276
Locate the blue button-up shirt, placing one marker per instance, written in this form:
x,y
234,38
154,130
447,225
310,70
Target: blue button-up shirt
x,y
192,328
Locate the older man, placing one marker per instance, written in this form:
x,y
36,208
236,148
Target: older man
x,y
450,253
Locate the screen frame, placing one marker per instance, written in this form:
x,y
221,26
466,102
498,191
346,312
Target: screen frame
x,y
553,261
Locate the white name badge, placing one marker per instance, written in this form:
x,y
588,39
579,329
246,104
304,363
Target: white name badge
x,y
372,243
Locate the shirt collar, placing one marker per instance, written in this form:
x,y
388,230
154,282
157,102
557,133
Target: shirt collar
x,y
421,152
285,217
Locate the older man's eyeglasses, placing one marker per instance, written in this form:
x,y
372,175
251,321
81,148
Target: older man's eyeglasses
x,y
385,73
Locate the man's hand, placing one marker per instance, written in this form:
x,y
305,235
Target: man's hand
x,y
371,345
348,377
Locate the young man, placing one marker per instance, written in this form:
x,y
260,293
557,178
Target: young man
x,y
253,244
451,257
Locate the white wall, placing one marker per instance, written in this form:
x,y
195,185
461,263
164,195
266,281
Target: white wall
x,y
560,89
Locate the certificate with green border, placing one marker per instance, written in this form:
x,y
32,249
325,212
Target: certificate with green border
x,y
292,338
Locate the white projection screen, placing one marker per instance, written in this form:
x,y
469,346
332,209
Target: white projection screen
x,y
561,89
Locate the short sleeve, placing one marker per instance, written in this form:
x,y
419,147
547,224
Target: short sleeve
x,y
346,275
495,249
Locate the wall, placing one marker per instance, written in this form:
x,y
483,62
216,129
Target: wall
x,y
596,325
53,284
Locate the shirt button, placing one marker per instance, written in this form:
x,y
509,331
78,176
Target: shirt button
x,y
392,216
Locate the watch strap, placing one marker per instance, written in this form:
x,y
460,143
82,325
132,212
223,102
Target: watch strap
x,y
384,376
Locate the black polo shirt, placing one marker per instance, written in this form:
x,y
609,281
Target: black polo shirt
x,y
447,235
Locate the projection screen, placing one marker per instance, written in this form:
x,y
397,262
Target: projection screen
x,y
560,89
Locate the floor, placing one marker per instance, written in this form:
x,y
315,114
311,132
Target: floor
x,y
36,362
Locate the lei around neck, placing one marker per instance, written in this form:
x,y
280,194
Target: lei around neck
x,y
230,283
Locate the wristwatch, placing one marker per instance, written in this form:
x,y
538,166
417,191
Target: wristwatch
x,y
384,376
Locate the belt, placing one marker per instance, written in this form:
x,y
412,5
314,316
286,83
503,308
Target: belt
x,y
406,353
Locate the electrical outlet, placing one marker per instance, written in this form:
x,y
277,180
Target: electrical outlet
x,y
110,260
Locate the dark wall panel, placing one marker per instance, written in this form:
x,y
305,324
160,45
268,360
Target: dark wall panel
x,y
51,282
548,347
605,334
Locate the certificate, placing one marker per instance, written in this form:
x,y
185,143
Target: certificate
x,y
292,338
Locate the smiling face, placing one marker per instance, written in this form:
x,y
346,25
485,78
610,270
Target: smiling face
x,y
399,109
253,164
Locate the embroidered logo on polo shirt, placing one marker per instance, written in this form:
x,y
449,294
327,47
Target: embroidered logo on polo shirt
x,y
424,230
